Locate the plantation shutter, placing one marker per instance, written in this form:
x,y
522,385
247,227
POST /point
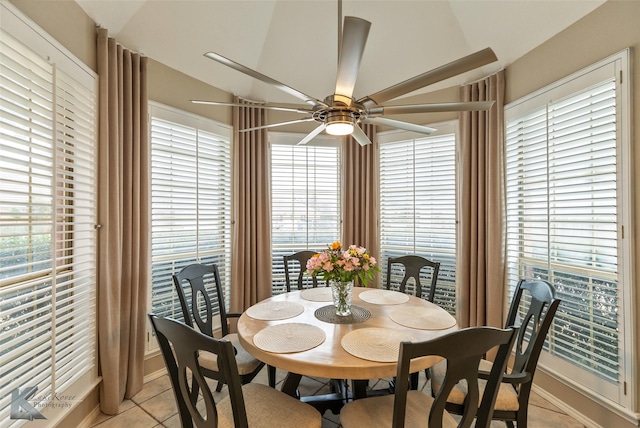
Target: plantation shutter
x,y
191,201
47,219
305,195
562,220
417,206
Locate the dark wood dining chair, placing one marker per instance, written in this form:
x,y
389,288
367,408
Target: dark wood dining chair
x,y
413,264
198,309
535,303
301,258
463,350
251,405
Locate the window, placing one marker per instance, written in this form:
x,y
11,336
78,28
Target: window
x,y
418,203
566,203
47,218
190,201
305,198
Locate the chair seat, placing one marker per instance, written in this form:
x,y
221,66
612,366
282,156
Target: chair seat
x,y
267,407
247,363
506,400
378,412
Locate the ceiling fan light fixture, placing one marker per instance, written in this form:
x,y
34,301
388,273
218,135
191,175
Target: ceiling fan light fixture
x,y
340,123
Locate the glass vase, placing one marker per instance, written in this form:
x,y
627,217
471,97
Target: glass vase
x,y
342,293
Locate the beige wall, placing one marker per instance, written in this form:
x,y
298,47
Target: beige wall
x,y
170,87
609,29
67,23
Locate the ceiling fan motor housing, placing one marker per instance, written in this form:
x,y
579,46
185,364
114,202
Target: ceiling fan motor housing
x,y
338,116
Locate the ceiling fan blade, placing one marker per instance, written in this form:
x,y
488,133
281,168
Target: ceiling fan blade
x,y
459,66
273,125
354,39
264,106
359,135
312,134
383,121
266,79
431,108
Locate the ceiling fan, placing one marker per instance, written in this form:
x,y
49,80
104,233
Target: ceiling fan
x,y
341,113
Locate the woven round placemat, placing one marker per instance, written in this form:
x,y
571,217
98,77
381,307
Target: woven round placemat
x,y
431,318
375,344
384,297
328,314
275,310
289,337
318,294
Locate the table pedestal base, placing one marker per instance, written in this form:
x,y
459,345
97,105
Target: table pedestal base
x,y
334,401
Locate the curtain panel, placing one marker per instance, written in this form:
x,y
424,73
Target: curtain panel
x,y
481,249
360,194
251,241
123,218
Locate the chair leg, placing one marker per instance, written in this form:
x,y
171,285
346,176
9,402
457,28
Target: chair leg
x,y
413,381
219,386
271,375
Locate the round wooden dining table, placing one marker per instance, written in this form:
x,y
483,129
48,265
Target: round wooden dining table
x,y
387,312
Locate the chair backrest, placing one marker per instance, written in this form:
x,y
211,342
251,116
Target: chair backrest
x,y
412,266
180,345
463,351
196,276
301,257
539,300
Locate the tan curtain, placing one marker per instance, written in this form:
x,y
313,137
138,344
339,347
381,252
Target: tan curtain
x,y
481,250
251,253
360,194
123,216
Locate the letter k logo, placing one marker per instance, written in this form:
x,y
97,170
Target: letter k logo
x,y
19,403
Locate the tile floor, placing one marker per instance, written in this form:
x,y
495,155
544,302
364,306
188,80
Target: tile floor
x,y
154,406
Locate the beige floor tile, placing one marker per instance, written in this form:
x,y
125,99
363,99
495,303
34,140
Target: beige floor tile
x,y
134,417
329,420
536,400
124,406
100,419
172,422
152,388
542,418
162,406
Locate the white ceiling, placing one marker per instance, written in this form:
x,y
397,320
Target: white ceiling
x,y
295,41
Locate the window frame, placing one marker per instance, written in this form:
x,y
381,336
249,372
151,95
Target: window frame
x,y
224,133
444,128
278,251
71,277
624,395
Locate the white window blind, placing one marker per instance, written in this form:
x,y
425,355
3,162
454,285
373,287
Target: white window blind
x,y
418,205
563,211
190,200
47,217
305,199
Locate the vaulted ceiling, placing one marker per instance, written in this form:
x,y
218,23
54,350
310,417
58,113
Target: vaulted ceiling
x,y
295,41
